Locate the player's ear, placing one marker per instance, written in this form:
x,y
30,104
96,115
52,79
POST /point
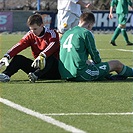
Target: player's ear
x,y
88,25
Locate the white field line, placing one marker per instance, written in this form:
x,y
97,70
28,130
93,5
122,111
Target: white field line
x,y
41,116
98,114
123,50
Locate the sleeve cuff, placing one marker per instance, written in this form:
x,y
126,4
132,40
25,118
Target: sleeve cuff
x,y
7,56
43,54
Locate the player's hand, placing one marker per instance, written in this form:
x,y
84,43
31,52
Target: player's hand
x,y
39,62
89,5
4,61
89,62
111,16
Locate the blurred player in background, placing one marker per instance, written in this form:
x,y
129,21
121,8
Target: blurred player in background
x,y
68,15
77,45
44,44
122,12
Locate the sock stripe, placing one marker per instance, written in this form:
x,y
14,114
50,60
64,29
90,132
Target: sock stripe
x,y
123,29
123,70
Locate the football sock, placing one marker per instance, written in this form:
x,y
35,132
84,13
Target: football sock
x,y
124,33
126,71
116,33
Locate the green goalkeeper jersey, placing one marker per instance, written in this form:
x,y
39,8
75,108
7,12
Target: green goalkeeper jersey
x,y
76,45
121,5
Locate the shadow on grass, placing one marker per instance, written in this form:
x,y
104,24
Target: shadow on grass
x,y
64,81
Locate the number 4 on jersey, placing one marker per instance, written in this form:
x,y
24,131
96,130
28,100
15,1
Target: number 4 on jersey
x,y
103,67
67,44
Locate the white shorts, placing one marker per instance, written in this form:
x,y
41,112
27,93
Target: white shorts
x,y
66,20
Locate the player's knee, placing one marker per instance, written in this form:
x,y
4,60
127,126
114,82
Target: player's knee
x,y
17,57
122,26
115,65
119,65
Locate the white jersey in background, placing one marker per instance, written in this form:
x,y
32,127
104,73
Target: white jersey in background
x,y
68,14
69,5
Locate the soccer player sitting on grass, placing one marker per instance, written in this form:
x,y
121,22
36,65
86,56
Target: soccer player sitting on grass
x,y
77,45
44,44
122,12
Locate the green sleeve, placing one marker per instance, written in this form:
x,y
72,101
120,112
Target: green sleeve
x,y
130,3
91,48
113,3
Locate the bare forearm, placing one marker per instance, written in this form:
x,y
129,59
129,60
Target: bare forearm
x,y
111,13
111,10
83,4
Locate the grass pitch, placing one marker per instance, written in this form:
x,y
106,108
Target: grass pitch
x,y
92,107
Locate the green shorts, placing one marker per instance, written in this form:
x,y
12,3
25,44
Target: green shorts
x,y
122,18
94,72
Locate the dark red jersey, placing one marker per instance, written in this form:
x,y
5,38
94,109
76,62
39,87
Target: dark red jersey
x,y
48,44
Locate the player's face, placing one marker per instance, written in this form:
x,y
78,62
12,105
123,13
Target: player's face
x,y
36,29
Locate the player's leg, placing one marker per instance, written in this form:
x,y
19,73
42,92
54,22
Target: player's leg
x,y
102,70
116,33
93,72
53,72
18,62
120,68
66,20
124,33
122,22
74,21
49,72
62,21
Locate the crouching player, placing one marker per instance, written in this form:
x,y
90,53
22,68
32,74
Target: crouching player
x,y
77,45
44,44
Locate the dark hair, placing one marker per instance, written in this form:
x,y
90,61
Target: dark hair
x,y
35,19
87,17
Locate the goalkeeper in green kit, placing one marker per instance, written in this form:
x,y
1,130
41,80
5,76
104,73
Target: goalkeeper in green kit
x,y
76,45
122,12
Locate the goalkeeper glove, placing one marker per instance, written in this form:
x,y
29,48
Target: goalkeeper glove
x,y
4,61
39,62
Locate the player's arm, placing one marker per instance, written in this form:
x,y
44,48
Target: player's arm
x,y
17,48
51,49
83,4
11,53
111,12
40,61
130,3
112,4
22,44
91,47
53,46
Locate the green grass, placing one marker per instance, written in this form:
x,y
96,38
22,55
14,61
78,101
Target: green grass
x,y
57,96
